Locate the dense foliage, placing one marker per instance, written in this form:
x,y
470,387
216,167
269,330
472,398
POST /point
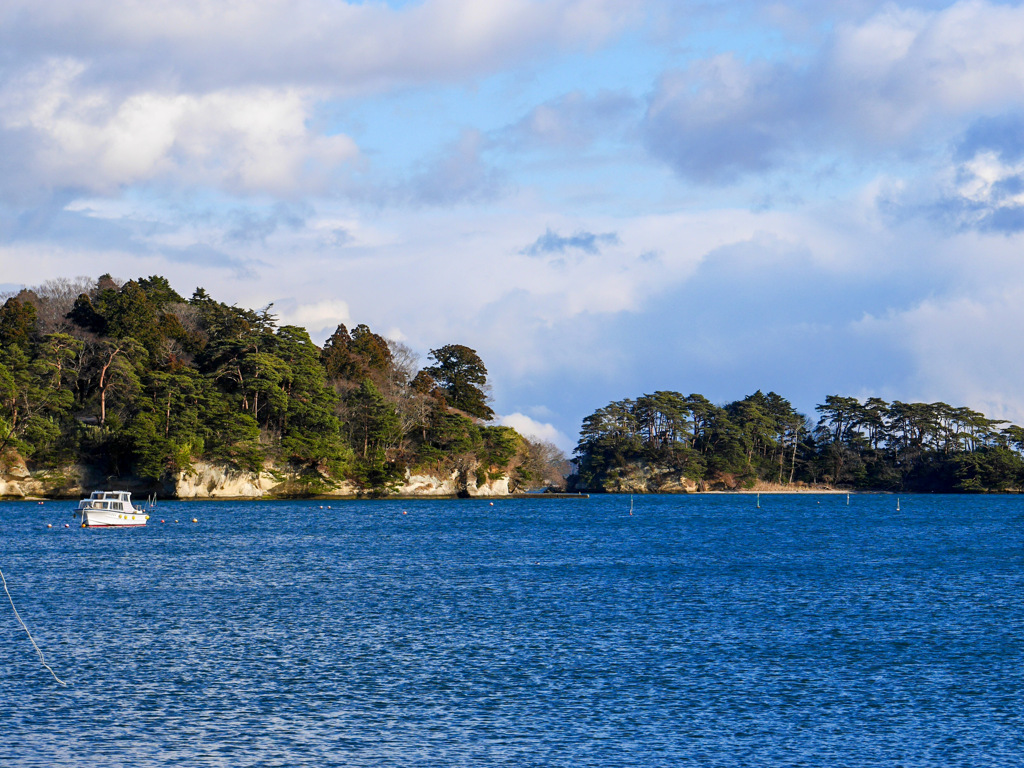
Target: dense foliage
x,y
141,381
872,445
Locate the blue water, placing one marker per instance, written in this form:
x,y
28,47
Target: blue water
x,y
700,631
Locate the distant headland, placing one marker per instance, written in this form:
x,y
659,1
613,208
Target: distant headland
x,y
667,442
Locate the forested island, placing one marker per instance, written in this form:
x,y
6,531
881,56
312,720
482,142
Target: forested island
x,y
670,442
129,383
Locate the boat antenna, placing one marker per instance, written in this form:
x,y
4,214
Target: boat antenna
x,y
31,639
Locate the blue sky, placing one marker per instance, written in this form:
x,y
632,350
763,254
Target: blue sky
x,y
603,197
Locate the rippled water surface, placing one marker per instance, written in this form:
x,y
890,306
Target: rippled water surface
x,y
700,631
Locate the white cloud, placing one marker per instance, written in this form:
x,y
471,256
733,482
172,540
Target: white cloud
x,y
981,173
344,46
102,95
536,430
900,70
573,121
900,80
963,349
315,316
459,175
245,141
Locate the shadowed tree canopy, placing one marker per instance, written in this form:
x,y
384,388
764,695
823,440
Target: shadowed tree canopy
x,y
84,315
17,322
462,377
159,291
361,354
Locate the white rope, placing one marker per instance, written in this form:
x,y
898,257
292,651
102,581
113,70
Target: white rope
x,y
41,659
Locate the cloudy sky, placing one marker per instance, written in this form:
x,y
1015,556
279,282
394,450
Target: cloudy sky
x,y
603,197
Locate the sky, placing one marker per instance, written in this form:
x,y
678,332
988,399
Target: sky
x,y
604,198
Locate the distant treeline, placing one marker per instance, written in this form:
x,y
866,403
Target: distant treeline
x,y
872,445
141,381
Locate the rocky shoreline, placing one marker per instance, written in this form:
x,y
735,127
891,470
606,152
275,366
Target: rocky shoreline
x,y
643,477
222,482
211,481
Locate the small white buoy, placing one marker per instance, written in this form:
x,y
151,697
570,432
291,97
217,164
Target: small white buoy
x,y
66,525
492,503
49,526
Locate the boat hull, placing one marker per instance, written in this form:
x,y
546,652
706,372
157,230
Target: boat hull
x,y
107,518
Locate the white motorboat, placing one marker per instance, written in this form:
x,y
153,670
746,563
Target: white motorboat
x,y
108,509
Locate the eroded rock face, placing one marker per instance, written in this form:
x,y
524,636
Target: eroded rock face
x,y
15,479
429,485
11,489
18,482
451,485
642,478
496,487
217,481
213,481
16,468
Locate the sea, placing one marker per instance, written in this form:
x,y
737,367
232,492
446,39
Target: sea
x,y
699,630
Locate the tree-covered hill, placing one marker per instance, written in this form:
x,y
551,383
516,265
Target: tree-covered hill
x,y
872,445
139,381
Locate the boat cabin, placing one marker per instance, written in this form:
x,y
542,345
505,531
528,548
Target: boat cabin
x,y
109,500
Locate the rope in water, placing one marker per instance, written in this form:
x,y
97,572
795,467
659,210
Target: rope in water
x,y
31,639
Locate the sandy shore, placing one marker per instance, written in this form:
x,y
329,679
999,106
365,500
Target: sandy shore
x,y
781,488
